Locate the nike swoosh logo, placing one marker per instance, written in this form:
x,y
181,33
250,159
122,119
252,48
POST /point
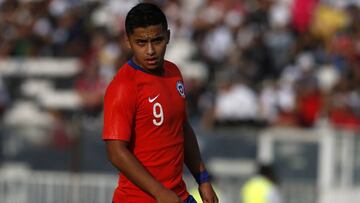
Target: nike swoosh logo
x,y
151,100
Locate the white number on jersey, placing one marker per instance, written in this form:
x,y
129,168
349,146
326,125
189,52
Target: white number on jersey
x,y
158,114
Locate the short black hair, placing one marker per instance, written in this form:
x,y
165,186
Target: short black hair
x,y
267,170
144,15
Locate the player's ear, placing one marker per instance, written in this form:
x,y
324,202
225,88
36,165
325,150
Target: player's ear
x,y
168,36
127,41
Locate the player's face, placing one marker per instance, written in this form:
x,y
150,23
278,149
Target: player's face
x,y
148,46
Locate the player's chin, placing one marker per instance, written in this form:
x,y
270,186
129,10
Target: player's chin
x,y
152,66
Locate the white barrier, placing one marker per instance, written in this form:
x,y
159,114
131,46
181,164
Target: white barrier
x,y
26,186
336,177
336,171
46,67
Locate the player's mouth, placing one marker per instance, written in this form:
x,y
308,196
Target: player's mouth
x,y
151,61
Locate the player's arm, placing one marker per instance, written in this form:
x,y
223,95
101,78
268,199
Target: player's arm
x,y
120,156
196,166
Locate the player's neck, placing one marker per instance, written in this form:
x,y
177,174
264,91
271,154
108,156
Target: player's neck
x,y
159,71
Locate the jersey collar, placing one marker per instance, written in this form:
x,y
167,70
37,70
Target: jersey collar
x,y
137,67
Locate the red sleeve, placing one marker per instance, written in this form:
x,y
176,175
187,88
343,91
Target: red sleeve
x,y
119,111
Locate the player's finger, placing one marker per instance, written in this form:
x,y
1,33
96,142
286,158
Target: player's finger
x,y
209,200
213,200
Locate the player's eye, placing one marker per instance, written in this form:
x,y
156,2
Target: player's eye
x,y
140,42
158,40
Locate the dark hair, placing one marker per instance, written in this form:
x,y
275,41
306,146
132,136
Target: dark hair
x,y
143,15
267,171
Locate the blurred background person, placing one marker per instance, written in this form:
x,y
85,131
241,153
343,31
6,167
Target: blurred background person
x,y
262,188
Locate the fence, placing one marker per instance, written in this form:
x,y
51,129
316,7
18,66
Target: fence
x,y
325,161
315,166
19,185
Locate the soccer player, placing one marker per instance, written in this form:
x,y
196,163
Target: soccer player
x,y
147,134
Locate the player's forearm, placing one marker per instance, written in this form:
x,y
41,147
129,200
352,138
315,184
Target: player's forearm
x,y
192,152
126,162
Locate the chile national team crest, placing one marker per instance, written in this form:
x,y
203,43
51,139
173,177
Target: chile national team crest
x,y
180,88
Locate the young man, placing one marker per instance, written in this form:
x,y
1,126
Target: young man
x,y
147,134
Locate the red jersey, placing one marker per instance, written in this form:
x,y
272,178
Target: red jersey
x,y
148,111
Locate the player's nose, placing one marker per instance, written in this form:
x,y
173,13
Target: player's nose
x,y
150,50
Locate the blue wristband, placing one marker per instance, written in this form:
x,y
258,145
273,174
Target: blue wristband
x,y
202,177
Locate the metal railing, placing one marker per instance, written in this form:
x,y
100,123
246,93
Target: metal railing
x,y
324,161
316,166
26,186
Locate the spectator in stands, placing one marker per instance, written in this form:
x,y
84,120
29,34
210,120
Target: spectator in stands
x,y
261,35
302,14
277,103
4,97
4,101
277,99
309,98
279,38
327,21
91,88
343,105
235,102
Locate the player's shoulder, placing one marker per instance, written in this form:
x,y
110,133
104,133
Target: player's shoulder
x,y
125,74
172,67
123,79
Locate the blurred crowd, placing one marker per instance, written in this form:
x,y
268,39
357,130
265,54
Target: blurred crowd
x,y
268,62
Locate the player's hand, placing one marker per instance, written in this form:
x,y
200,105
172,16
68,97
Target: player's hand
x,y
207,193
167,196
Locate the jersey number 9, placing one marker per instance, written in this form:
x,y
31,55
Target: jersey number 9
x,y
158,114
